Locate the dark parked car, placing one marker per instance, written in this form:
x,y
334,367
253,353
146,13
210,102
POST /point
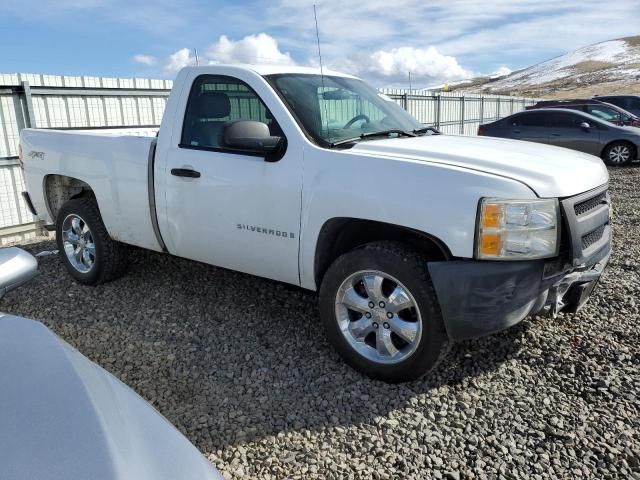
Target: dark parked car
x,y
630,103
571,129
605,111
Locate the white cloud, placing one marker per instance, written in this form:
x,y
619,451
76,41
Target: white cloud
x,y
481,35
393,66
384,66
512,33
147,60
178,60
260,48
501,71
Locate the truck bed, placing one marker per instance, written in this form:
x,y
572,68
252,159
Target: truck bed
x,y
117,167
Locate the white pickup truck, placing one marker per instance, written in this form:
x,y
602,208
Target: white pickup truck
x,y
412,238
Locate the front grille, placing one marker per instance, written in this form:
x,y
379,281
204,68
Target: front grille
x,y
587,205
586,217
592,237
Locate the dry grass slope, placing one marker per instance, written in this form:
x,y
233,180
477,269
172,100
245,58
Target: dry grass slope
x,y
590,66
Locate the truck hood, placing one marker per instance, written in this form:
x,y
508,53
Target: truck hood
x,y
548,171
65,418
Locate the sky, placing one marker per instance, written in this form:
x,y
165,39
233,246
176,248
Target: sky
x,y
381,41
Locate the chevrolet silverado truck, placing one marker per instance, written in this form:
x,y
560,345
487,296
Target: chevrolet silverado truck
x,y
412,238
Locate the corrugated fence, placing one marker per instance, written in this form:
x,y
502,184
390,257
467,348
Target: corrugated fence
x,y
137,104
66,103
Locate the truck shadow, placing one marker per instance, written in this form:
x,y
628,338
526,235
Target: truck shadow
x,y
229,358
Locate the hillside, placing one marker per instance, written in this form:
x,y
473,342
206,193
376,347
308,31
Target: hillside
x,y
607,67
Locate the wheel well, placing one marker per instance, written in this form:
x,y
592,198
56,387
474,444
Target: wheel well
x,y
341,235
59,189
634,148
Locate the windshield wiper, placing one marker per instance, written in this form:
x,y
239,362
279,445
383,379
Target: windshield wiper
x,y
344,140
387,132
433,130
374,134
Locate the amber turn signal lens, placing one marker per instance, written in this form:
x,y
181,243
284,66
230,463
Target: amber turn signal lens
x,y
491,214
490,243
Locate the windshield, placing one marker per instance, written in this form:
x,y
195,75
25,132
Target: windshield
x,y
334,109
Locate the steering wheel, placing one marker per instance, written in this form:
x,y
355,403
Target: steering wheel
x,y
356,119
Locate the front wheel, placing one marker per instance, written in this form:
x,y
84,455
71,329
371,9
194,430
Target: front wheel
x,y
381,313
84,245
618,153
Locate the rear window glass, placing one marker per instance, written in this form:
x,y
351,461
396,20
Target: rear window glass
x,y
620,102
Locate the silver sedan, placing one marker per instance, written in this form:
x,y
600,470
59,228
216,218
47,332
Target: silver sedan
x,y
580,131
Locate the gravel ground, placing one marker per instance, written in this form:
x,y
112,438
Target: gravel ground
x,y
240,365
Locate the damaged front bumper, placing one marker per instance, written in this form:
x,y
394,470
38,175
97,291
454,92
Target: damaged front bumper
x,y
481,297
478,298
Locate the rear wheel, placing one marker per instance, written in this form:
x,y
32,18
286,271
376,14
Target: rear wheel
x,y
381,313
618,153
85,247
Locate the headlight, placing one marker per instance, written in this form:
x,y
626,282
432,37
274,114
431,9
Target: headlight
x,y
517,229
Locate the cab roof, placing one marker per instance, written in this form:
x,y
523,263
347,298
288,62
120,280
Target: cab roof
x,y
266,69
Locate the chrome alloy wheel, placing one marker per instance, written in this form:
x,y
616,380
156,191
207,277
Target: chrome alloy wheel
x,y
78,243
620,154
378,316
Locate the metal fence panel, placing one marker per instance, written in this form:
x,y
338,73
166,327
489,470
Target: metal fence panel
x,y
66,102
13,211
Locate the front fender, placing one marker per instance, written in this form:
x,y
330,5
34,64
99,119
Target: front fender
x,y
435,199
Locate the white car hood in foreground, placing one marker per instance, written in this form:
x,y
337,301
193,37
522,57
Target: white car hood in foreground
x,y
549,171
62,417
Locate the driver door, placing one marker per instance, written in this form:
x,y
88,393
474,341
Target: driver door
x,y
225,207
566,131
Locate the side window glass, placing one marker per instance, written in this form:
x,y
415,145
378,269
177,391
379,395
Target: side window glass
x,y
532,119
564,120
214,103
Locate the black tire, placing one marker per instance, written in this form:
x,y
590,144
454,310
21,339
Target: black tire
x,y
609,153
110,259
409,268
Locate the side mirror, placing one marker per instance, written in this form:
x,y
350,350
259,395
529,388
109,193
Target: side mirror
x,y
250,136
585,126
16,267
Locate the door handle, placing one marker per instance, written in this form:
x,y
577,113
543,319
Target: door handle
x,y
516,131
556,135
185,172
